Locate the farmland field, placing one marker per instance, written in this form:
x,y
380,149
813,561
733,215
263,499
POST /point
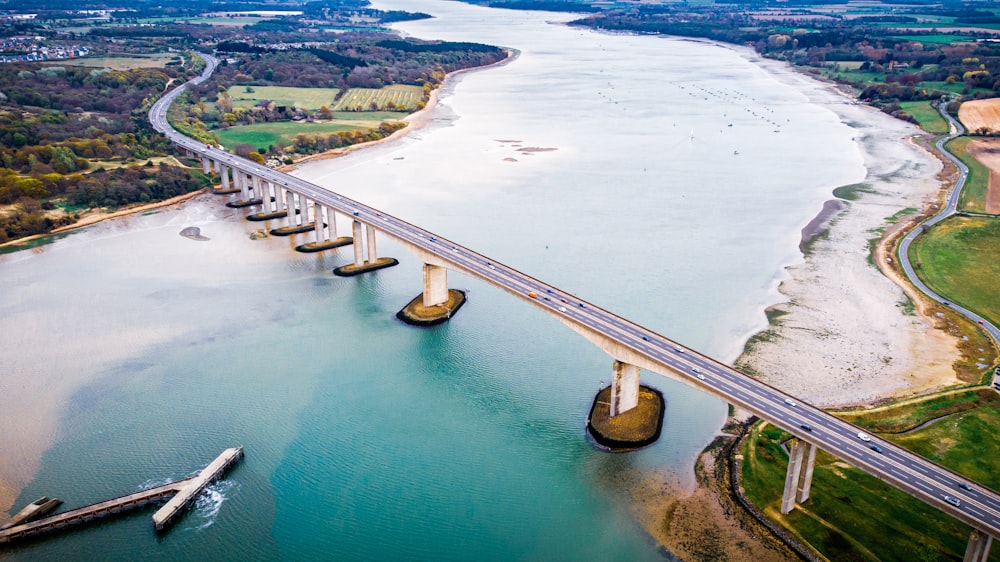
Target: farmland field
x,y
303,98
264,135
960,257
401,96
978,114
936,39
155,60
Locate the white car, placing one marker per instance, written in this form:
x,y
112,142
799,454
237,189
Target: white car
x,y
700,376
790,402
562,309
864,437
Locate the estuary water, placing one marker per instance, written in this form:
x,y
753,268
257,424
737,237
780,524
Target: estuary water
x,y
663,179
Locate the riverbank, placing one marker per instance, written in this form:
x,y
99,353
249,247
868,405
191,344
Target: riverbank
x,y
841,332
415,120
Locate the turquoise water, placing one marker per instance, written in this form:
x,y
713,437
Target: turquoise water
x,y
368,439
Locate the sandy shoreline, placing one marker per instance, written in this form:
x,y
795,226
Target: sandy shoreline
x,y
839,335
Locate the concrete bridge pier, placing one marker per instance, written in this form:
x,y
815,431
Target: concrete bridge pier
x,y
241,181
437,303
979,547
626,415
265,196
298,218
224,172
362,265
290,209
624,387
323,216
318,223
206,165
798,478
435,285
255,186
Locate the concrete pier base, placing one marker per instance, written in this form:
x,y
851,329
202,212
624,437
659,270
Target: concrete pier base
x,y
417,314
261,217
311,247
290,230
353,269
241,203
635,428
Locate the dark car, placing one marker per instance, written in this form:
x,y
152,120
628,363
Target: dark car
x,y
876,448
806,427
965,486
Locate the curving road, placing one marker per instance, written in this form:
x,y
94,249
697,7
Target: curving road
x,y
969,502
949,209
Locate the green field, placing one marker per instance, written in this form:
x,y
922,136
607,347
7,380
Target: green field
x,y
309,99
403,97
906,415
929,118
851,515
973,196
939,39
155,60
857,76
960,258
264,135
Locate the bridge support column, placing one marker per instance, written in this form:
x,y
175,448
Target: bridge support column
x,y
241,181
265,196
362,265
206,166
359,250
435,285
318,224
798,478
806,474
290,208
372,253
224,172
256,187
979,547
624,387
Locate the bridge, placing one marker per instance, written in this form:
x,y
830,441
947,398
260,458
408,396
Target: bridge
x,y
632,347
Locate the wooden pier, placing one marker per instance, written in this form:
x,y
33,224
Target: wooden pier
x,y
182,493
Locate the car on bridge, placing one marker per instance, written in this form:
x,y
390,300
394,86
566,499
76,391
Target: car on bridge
x,y
953,501
864,437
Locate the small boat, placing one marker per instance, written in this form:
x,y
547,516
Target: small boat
x,y
33,510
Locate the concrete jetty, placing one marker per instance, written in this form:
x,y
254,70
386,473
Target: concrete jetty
x,y
180,492
92,512
165,515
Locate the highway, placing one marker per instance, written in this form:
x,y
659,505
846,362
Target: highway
x,y
976,505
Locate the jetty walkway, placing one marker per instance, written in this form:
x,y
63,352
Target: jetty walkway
x,y
182,493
